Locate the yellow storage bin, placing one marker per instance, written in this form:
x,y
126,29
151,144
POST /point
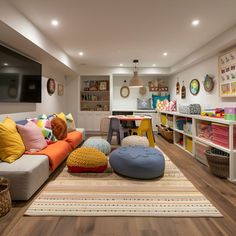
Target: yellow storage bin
x,y
163,119
189,144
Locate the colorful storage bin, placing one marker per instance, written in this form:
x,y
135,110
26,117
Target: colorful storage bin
x,y
200,149
204,130
163,119
221,135
230,113
180,121
189,144
170,120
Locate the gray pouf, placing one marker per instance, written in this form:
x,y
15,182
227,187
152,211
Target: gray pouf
x,y
135,140
138,162
98,143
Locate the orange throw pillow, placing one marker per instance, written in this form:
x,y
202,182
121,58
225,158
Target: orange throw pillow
x,y
59,128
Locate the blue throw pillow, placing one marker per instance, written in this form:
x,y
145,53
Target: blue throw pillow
x,y
157,97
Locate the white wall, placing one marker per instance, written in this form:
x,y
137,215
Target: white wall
x,y
199,71
131,101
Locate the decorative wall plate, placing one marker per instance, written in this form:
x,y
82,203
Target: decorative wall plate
x,y
208,83
124,92
194,87
143,90
51,86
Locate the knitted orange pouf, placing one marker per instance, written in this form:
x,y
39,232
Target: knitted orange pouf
x,y
86,159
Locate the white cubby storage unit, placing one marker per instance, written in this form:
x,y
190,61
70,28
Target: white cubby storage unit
x,y
190,138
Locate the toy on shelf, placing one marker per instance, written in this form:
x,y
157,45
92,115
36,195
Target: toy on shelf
x,y
217,112
230,113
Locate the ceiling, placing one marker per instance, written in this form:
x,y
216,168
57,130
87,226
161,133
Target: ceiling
x,y
110,32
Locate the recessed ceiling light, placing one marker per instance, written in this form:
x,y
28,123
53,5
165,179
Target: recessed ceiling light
x,y
5,64
165,54
121,64
195,22
153,65
54,23
81,53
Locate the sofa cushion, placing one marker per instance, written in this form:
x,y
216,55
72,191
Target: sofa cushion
x,y
62,116
70,123
45,125
74,139
59,128
11,144
32,136
26,175
56,152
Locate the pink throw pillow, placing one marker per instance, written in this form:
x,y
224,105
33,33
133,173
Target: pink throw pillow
x,y
32,136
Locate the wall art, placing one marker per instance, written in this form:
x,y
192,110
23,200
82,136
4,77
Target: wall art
x,y
60,89
194,87
51,86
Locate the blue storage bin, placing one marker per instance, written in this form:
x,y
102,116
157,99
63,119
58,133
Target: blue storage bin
x,y
180,123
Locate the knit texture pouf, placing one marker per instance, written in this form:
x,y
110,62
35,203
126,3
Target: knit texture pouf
x,y
86,159
98,143
138,162
135,140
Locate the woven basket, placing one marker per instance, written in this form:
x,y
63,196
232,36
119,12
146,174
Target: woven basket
x,y
5,198
218,162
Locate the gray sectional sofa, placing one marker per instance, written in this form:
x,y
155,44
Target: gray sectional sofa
x,y
27,174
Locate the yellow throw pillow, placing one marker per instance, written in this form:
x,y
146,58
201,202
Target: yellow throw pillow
x,y
62,116
11,144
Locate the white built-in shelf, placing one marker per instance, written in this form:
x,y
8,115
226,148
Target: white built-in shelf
x,y
95,91
181,134
97,101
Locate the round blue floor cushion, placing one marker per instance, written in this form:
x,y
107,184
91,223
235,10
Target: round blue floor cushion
x,y
138,162
98,143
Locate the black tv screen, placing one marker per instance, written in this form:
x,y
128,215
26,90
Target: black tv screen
x,y
20,77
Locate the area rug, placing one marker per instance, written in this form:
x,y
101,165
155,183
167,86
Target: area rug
x,y
108,194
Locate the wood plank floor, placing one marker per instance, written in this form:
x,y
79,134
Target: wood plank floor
x,y
220,192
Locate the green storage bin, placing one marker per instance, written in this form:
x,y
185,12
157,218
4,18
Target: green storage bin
x,y
230,116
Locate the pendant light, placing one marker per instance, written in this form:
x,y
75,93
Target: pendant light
x,y
135,82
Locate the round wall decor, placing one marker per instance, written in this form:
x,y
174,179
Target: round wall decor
x,y
143,90
51,86
208,83
194,87
124,92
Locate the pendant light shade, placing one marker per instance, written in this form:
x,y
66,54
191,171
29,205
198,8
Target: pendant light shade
x,y
135,82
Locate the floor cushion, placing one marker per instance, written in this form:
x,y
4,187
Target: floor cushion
x,y
135,140
86,159
138,162
98,143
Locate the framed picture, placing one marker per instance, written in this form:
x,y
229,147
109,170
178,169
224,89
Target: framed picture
x,y
60,89
103,85
194,87
51,86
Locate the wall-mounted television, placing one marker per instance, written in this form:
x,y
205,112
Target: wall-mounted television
x,y
20,77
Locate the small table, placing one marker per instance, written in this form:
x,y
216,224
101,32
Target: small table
x,y
131,118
